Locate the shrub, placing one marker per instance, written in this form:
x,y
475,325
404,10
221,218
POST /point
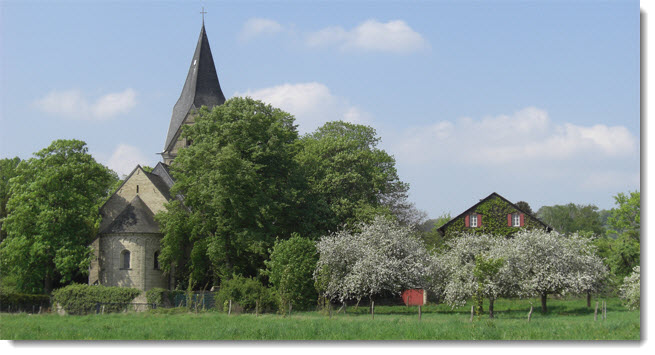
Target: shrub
x,y
290,271
82,299
630,290
24,302
157,296
246,292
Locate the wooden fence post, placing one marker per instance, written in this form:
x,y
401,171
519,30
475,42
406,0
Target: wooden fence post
x,y
373,309
289,308
419,312
530,314
103,309
229,308
256,308
40,309
604,310
471,320
596,312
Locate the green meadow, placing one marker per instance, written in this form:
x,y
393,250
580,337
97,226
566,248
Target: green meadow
x,y
565,320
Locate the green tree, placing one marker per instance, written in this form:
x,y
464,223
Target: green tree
x,y
524,206
7,171
572,218
290,271
350,178
626,218
241,190
52,215
430,235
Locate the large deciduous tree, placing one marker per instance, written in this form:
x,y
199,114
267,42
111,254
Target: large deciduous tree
x,y
625,220
572,218
553,263
52,215
351,179
241,190
380,257
7,171
475,266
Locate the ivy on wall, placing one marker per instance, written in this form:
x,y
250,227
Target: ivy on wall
x,y
494,213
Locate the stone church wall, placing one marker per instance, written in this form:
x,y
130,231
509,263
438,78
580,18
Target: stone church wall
x,y
147,192
142,273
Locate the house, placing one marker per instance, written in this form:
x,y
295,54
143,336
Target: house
x,y
492,215
126,250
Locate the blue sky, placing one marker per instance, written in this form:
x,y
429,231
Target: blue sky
x,y
538,101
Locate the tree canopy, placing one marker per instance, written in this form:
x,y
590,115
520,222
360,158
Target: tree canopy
x,y
572,218
52,215
7,171
352,179
241,190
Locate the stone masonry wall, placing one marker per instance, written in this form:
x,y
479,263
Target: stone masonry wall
x,y
142,273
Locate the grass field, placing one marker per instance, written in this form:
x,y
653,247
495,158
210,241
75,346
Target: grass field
x,y
566,320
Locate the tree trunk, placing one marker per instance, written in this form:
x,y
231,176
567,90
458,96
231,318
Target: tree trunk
x,y
588,299
543,302
491,307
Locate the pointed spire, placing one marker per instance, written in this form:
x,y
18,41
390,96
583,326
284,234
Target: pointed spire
x,y
201,88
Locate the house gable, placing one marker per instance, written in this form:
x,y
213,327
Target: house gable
x,y
492,215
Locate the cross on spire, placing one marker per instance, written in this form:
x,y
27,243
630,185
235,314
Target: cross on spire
x,y
203,12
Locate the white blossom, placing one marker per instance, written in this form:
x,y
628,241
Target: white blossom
x,y
382,257
630,291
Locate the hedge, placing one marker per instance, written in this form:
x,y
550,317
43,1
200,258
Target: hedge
x,y
82,299
247,293
23,302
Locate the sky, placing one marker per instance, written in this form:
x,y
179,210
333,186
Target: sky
x,y
538,101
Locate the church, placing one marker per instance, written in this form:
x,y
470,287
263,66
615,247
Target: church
x,y
126,249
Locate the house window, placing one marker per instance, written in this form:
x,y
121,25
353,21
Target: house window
x,y
137,188
516,220
474,220
125,259
156,266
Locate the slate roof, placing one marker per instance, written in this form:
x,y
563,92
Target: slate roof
x,y
136,217
442,229
201,88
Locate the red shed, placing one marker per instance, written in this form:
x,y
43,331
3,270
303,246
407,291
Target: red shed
x,y
413,297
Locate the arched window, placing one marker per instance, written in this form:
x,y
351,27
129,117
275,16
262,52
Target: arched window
x,y
125,259
156,260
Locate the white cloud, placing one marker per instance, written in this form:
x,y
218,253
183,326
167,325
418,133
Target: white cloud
x,y
73,104
311,103
255,27
527,135
126,157
393,36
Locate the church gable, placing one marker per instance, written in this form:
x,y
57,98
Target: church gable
x,y
152,191
135,218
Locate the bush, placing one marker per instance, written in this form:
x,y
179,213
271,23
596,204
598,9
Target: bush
x,y
246,292
157,296
23,302
291,270
82,299
630,290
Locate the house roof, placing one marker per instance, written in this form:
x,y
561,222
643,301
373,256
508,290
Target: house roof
x,y
136,217
493,194
201,88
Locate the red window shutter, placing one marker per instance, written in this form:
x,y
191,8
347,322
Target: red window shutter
x,y
509,220
466,221
479,220
522,219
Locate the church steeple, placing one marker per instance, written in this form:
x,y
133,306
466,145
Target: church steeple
x,y
201,88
